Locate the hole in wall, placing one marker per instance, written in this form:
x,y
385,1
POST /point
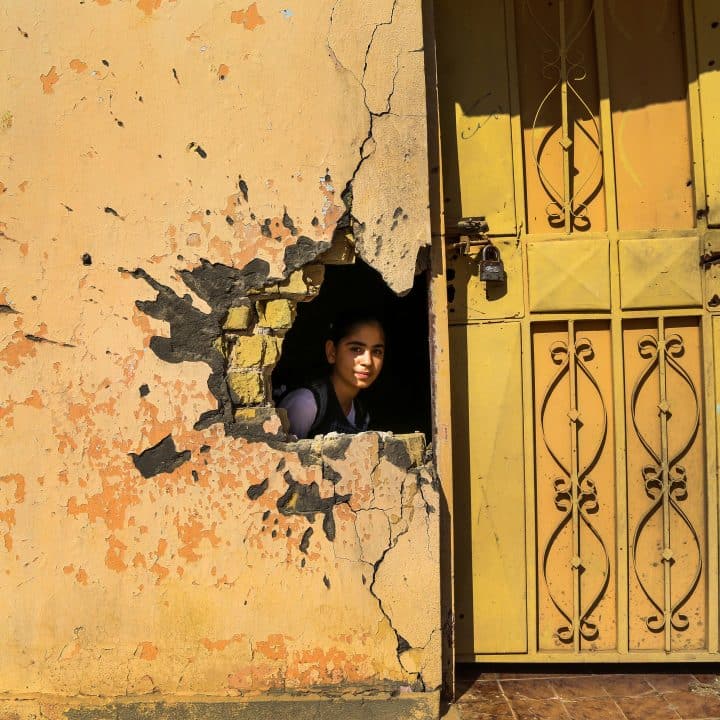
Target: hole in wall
x,y
399,400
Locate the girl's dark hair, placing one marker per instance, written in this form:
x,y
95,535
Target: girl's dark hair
x,y
348,320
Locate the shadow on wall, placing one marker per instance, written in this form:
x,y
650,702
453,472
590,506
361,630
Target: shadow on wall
x,y
399,401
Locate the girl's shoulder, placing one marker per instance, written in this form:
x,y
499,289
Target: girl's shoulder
x,y
302,409
299,395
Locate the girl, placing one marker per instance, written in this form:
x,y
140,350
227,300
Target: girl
x,y
355,352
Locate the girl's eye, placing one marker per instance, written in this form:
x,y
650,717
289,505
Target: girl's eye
x,y
378,353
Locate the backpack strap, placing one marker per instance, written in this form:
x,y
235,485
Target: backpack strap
x,y
319,389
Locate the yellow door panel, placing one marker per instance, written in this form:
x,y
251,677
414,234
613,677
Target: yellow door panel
x,y
651,135
470,299
566,275
490,563
707,29
660,273
475,102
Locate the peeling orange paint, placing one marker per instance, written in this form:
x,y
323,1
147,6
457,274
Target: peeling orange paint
x,y
103,2
19,481
114,557
223,71
249,18
109,505
49,80
324,667
69,569
8,517
192,533
149,6
273,648
147,651
16,350
78,65
82,576
161,571
257,677
216,645
3,188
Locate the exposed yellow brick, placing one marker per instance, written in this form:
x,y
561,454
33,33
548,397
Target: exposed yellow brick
x,y
248,351
247,388
248,414
276,313
304,283
238,318
294,285
272,350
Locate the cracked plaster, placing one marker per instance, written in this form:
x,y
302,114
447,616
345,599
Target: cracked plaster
x,y
165,134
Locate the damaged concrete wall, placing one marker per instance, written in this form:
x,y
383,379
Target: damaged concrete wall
x,y
170,173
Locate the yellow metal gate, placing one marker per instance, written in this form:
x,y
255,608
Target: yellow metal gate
x,y
587,134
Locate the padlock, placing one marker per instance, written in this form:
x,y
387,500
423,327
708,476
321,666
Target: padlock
x,y
491,266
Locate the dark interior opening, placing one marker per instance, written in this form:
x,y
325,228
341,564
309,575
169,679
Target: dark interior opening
x,y
399,400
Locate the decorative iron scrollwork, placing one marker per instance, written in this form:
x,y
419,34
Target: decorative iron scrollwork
x,y
564,66
665,480
576,495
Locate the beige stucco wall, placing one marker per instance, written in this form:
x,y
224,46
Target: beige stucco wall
x,y
161,162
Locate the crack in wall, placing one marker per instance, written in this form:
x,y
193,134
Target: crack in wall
x,y
402,644
348,219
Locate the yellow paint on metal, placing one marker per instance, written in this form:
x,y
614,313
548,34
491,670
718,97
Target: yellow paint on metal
x,y
619,521
575,498
559,108
569,275
474,99
648,97
490,507
664,405
707,32
660,273
470,299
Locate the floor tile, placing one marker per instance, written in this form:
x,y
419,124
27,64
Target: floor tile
x,y
647,707
625,685
664,682
498,710
594,709
485,690
582,686
706,679
692,705
536,689
526,709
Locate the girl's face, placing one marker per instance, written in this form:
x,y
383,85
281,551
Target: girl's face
x,y
358,358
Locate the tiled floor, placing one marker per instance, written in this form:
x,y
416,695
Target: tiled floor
x,y
600,694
